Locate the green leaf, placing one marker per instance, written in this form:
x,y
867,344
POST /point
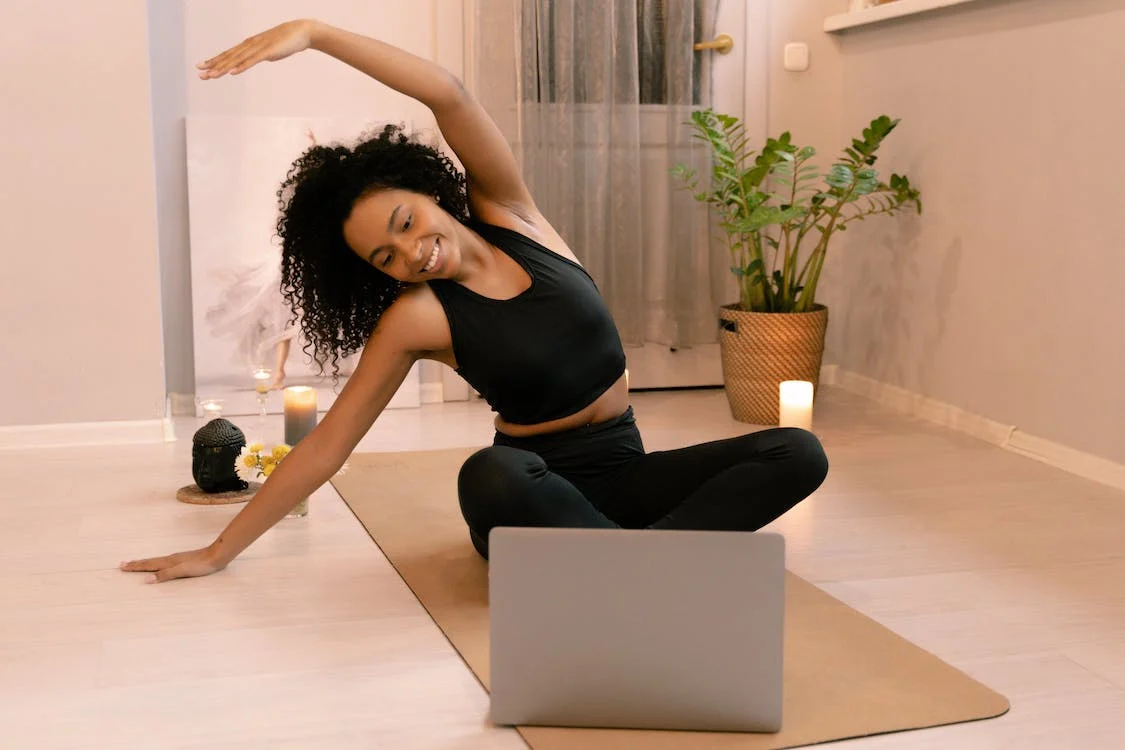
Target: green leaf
x,y
840,176
764,216
866,181
752,271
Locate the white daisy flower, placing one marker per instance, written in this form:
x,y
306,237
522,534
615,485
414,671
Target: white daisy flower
x,y
247,464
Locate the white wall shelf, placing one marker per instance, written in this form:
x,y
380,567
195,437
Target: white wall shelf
x,y
881,13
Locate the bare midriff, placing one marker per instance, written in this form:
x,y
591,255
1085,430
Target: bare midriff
x,y
610,404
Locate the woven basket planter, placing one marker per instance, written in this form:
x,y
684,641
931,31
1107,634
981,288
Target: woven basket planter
x,y
760,350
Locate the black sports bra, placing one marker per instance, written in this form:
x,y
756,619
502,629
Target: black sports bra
x,y
544,354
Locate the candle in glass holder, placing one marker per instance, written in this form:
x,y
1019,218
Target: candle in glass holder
x,y
300,419
262,380
795,404
212,408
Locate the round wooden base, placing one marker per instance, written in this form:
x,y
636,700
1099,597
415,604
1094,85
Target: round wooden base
x,y
195,496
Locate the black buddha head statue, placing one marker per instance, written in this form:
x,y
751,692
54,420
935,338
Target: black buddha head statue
x,y
214,451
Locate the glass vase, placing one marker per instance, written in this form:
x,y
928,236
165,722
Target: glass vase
x,y
300,510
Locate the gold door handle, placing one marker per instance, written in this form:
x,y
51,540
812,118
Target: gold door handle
x,y
722,43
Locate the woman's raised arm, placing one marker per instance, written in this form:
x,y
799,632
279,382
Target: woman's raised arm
x,y
487,157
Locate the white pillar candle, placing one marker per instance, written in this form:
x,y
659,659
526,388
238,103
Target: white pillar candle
x,y
795,405
300,413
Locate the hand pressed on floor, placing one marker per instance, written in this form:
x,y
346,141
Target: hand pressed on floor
x,y
190,564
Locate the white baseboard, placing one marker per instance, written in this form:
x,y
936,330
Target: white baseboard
x,y
1062,457
1004,436
431,393
927,408
20,437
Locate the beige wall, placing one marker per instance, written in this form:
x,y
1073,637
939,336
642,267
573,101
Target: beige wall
x,y
807,103
1005,298
79,289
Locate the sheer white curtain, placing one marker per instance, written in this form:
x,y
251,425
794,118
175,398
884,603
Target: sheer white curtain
x,y
595,96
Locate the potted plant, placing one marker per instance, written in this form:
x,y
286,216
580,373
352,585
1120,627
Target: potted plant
x,y
778,214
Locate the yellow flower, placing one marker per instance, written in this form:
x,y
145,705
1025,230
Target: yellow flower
x,y
280,451
266,460
255,447
268,469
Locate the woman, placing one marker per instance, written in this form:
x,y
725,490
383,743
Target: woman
x,y
389,247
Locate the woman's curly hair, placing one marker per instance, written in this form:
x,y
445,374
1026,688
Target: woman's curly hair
x,y
336,296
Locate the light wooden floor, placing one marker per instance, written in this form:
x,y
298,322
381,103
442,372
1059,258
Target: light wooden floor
x,y
1009,569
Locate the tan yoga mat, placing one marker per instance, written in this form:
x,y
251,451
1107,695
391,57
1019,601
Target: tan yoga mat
x,y
845,675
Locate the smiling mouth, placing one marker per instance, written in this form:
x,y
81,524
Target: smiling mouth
x,y
433,257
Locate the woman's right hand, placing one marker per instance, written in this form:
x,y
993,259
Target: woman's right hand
x,y
274,44
198,562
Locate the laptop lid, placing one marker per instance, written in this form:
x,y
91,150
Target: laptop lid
x,y
636,629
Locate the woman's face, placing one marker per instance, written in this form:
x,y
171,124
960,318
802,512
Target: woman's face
x,y
404,234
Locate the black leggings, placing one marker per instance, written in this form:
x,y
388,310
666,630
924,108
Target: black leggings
x,y
599,476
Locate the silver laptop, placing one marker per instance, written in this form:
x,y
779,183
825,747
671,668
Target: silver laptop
x,y
679,630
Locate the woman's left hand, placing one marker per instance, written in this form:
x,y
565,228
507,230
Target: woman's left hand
x,y
274,44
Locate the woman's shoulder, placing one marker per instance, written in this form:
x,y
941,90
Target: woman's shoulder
x,y
416,321
526,221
